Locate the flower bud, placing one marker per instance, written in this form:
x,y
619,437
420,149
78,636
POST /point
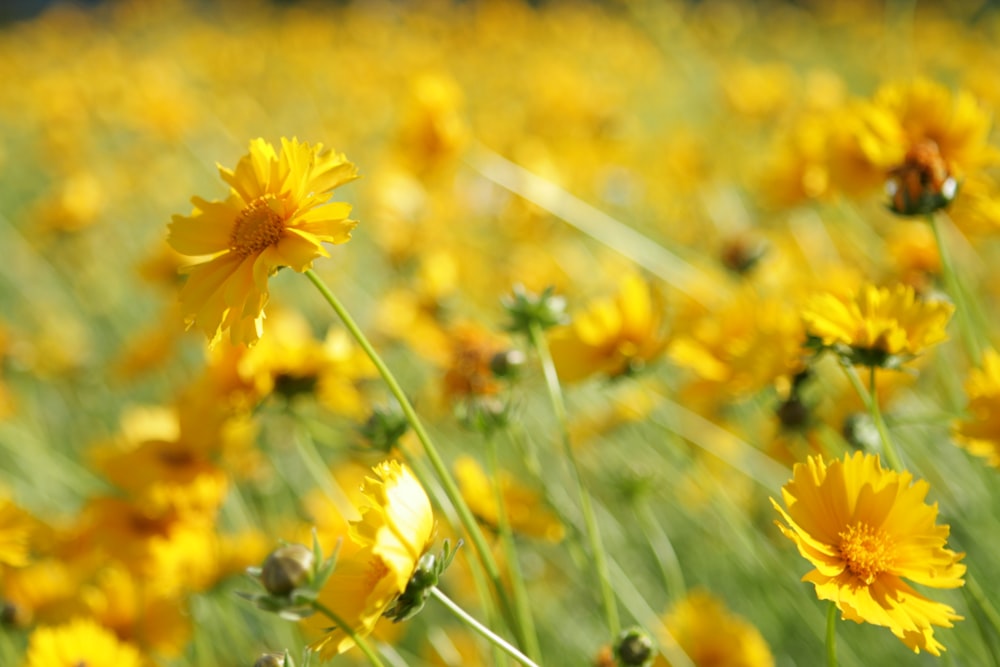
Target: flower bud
x,y
507,364
861,433
634,648
545,310
271,660
922,184
386,425
287,568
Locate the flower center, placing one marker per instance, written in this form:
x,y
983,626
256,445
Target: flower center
x,y
257,227
868,552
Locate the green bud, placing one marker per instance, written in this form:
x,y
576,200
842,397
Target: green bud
x,y
525,309
507,364
271,660
484,414
287,568
861,433
386,425
634,648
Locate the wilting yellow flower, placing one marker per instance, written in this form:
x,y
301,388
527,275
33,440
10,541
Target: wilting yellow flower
x,y
877,323
712,636
79,642
395,530
526,514
272,218
612,336
980,433
865,529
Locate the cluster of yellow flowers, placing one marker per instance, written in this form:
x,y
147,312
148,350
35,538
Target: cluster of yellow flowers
x,y
642,289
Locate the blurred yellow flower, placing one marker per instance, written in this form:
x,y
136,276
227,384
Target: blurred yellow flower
x,y
612,336
712,636
877,326
526,513
865,529
15,529
980,432
79,642
395,530
272,218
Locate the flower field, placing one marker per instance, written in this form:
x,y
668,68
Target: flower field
x,y
601,333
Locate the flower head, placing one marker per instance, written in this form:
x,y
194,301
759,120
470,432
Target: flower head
x,y
709,634
865,530
394,532
612,336
980,432
877,326
80,642
272,218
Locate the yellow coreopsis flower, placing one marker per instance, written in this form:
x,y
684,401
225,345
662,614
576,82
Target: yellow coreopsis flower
x,y
524,508
712,636
395,530
866,530
877,326
612,336
274,217
980,433
79,642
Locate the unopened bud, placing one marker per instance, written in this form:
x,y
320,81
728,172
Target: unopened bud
x,y
507,364
287,568
270,660
386,425
634,648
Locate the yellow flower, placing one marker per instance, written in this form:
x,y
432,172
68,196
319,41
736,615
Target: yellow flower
x,y
612,336
79,642
711,636
394,531
877,325
980,433
15,530
865,530
272,218
525,511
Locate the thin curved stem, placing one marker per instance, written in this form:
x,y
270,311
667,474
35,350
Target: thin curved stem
x,y
522,607
967,329
831,636
447,482
349,631
870,399
590,521
491,636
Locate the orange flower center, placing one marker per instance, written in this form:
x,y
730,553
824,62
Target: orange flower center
x,y
257,227
867,551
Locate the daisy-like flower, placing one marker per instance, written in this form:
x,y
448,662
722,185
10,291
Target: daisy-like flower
x,y
274,217
980,433
709,634
865,530
877,326
524,508
395,529
79,642
612,336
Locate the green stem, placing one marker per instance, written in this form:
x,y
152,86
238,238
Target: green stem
x,y
870,399
447,482
966,327
349,631
663,549
522,608
590,521
491,636
831,636
975,591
